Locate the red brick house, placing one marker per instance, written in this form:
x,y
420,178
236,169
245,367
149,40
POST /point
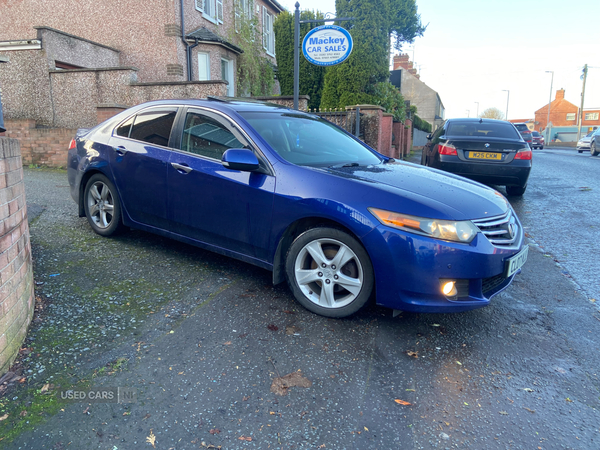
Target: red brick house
x,y
71,64
565,114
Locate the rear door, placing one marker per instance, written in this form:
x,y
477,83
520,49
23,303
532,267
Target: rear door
x,y
208,202
139,163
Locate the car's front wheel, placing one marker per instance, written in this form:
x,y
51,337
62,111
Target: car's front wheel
x,y
593,149
329,272
515,190
102,205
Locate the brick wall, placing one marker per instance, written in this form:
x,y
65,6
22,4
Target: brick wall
x,y
16,274
40,146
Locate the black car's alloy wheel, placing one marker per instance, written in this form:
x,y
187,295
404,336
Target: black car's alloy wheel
x,y
329,272
102,205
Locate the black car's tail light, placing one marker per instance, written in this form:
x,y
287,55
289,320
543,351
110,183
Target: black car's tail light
x,y
72,144
447,149
524,153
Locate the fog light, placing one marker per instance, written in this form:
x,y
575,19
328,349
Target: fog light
x,y
448,289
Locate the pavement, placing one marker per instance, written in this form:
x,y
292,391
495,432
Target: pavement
x,y
206,344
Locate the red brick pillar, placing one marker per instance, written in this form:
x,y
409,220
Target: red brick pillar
x,y
408,129
398,141
16,274
371,126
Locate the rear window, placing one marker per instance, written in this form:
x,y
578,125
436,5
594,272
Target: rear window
x,y
484,129
521,127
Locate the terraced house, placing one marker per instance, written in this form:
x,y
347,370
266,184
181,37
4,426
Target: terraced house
x,y
72,63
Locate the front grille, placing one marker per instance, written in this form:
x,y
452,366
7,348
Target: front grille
x,y
489,284
501,231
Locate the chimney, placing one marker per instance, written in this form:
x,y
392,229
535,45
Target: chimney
x,y
560,94
401,62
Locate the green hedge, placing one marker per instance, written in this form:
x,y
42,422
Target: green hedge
x,y
421,124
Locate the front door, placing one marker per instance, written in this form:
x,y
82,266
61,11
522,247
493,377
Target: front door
x,y
227,208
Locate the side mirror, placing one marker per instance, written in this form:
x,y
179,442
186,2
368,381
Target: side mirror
x,y
429,136
240,159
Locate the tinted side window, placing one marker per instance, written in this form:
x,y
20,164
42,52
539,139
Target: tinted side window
x,y
205,136
124,129
153,127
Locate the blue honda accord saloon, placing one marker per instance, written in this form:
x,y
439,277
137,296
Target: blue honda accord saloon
x,y
295,194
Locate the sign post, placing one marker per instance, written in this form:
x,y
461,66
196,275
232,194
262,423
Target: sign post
x,y
326,45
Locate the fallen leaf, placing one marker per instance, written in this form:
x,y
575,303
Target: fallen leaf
x,y
151,439
290,330
127,413
23,413
568,400
272,413
281,385
413,354
530,410
402,402
4,417
435,324
215,431
366,429
246,398
45,388
459,363
289,312
245,438
227,343
504,413
410,390
272,327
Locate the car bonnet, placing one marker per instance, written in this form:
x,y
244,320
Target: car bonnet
x,y
468,199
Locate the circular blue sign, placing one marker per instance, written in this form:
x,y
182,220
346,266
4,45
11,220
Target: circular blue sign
x,y
327,45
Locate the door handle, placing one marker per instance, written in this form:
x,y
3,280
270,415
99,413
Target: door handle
x,y
121,150
182,168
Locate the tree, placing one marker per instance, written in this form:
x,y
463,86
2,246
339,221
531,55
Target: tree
x,y
311,77
492,113
376,24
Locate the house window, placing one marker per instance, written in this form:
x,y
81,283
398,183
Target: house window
x,y
268,34
243,9
212,10
203,66
570,116
591,116
227,75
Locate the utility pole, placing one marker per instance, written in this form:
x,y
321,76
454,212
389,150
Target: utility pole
x,y
547,129
507,97
477,108
584,76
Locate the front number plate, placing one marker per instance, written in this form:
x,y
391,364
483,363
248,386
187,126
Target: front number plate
x,y
514,263
485,155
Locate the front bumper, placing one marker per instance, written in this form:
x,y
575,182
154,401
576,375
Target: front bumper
x,y
408,269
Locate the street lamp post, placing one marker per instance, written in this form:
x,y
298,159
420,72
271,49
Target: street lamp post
x,y
507,97
477,108
549,104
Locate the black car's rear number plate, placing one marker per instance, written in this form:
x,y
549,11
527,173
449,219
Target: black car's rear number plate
x,y
484,155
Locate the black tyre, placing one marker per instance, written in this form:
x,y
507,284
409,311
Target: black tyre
x,y
515,190
593,149
541,147
329,272
102,205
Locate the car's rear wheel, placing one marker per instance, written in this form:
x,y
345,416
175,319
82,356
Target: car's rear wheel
x,y
329,272
102,205
593,149
515,190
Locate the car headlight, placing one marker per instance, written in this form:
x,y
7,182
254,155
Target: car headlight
x,y
449,230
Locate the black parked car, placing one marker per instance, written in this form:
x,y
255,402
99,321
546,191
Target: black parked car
x,y
485,150
525,133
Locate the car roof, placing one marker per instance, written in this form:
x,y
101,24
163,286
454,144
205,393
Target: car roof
x,y
222,103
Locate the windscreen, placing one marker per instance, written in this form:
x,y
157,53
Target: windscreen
x,y
309,141
484,129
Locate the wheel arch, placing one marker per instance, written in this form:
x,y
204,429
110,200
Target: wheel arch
x,y
294,230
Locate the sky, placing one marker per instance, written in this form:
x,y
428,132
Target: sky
x,y
474,50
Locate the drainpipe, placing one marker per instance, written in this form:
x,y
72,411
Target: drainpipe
x,y
188,53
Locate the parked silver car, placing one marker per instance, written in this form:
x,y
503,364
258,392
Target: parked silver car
x,y
584,142
595,142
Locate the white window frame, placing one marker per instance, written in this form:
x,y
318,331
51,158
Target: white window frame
x,y
203,66
268,33
591,116
212,10
243,9
571,116
230,75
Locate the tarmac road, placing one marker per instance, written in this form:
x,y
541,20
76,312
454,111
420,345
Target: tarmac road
x,y
201,338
